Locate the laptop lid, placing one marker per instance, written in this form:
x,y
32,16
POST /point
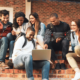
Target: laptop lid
x,y
41,54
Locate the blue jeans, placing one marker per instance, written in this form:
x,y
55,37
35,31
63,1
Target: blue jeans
x,y
25,61
11,40
73,46
45,66
3,48
11,47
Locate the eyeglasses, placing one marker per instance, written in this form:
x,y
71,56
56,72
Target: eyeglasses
x,y
73,25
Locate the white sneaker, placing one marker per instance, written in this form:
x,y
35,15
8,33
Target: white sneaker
x,y
77,76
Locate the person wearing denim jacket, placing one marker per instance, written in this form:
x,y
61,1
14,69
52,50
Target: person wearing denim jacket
x,y
74,40
73,57
40,29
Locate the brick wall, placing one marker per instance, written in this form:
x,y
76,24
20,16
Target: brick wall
x,y
67,11
18,5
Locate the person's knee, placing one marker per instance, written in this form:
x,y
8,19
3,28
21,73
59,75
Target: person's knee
x,y
28,58
65,42
4,40
9,35
11,42
68,55
77,50
19,65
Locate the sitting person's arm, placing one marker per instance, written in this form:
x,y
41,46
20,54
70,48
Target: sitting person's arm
x,y
43,29
41,42
18,46
15,32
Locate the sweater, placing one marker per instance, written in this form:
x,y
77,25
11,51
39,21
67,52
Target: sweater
x,y
22,28
18,50
62,28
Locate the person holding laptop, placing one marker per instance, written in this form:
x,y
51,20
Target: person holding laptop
x,y
59,41
22,56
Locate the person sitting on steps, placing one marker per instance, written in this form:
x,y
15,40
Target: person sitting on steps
x,y
60,41
22,56
5,28
75,43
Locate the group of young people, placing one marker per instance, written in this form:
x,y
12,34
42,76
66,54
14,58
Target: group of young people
x,y
24,35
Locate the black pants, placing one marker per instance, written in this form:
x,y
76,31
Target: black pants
x,y
63,46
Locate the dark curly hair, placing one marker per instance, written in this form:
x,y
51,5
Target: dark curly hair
x,y
19,14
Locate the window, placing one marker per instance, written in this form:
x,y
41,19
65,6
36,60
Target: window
x,y
10,9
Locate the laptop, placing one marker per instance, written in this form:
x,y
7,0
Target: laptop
x,y
41,54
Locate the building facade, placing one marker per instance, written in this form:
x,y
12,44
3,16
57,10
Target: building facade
x,y
66,10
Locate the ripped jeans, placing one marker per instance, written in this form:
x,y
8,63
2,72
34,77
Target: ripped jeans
x,y
26,61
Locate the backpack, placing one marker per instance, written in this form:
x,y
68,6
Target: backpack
x,y
25,42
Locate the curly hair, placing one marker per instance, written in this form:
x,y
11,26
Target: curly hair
x,y
19,14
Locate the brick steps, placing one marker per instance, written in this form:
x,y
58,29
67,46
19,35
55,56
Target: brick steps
x,y
17,74
3,78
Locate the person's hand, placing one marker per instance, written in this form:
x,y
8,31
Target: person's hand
x,y
50,62
13,32
18,32
58,40
45,46
36,42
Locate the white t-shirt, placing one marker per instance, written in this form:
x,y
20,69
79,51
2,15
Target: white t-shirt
x,y
22,28
18,50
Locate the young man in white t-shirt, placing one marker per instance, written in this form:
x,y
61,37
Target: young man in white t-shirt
x,y
22,56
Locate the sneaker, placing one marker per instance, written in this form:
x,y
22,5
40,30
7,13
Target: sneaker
x,y
63,66
3,65
58,66
10,64
77,76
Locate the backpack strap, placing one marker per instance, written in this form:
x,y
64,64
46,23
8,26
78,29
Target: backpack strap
x,y
33,42
25,42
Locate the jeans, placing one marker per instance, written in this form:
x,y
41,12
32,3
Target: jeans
x,y
63,46
25,61
73,46
11,48
11,39
3,48
45,66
